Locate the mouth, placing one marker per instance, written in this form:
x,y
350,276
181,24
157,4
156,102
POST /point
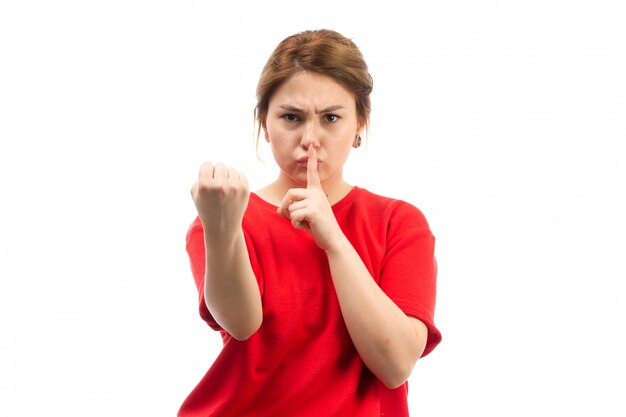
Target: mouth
x,y
303,162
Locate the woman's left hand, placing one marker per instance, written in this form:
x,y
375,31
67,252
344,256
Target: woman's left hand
x,y
308,208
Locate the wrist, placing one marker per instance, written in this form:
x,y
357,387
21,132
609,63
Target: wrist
x,y
338,245
221,239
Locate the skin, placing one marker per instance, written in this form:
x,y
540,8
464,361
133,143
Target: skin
x,y
311,125
310,108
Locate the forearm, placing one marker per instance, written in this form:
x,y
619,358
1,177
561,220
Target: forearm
x,y
231,291
388,341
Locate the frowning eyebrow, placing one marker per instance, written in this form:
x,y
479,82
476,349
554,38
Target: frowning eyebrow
x,y
298,110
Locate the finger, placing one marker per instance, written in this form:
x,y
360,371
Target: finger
x,y
299,220
283,209
300,225
296,206
220,171
233,174
206,171
243,179
293,195
312,176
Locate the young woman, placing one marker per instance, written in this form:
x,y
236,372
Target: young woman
x,y
323,292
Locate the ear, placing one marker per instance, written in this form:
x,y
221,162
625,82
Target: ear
x,y
266,135
360,126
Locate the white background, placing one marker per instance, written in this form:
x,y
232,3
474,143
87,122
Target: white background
x,y
503,121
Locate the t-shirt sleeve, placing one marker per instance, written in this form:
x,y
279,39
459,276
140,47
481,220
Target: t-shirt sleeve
x,y
197,260
409,268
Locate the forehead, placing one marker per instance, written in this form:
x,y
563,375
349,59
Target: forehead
x,y
307,90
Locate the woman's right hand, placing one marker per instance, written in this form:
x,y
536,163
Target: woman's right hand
x,y
231,291
221,196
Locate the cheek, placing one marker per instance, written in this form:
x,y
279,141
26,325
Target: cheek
x,y
284,139
276,132
346,141
281,148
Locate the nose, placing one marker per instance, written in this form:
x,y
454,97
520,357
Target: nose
x,y
309,135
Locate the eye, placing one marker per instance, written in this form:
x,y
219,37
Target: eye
x,y
290,117
331,118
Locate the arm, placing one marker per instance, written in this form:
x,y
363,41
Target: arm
x,y
388,341
231,291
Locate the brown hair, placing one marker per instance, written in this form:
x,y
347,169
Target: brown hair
x,y
320,51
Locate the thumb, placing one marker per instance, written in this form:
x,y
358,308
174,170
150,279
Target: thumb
x,y
312,177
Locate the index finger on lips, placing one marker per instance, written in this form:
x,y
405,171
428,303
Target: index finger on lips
x,y
312,176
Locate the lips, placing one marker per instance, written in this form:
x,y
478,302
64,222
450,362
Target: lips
x,y
304,161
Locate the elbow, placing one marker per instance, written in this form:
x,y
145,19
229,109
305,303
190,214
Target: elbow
x,y
240,335
240,322
396,367
396,376
396,361
393,384
400,365
243,333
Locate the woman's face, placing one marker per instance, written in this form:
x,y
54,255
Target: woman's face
x,y
311,108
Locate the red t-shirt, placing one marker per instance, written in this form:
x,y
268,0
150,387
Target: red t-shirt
x,y
301,362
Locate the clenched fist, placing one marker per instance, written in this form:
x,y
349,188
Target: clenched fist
x,y
221,196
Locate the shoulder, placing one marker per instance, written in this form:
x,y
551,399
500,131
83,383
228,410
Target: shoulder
x,y
394,210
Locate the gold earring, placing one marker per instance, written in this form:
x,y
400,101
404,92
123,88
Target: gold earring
x,y
357,141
